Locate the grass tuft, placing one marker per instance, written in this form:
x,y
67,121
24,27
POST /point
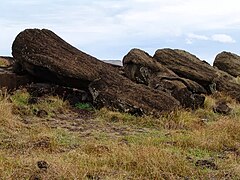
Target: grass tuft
x,y
49,104
84,106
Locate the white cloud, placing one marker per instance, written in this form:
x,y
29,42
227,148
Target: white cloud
x,y
128,17
120,23
189,15
197,36
223,38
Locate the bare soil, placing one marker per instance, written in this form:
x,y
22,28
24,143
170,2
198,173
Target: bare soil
x,y
86,123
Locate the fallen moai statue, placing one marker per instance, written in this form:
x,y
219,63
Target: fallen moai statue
x,y
228,62
140,67
46,56
189,66
169,80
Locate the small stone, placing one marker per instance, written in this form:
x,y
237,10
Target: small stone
x,y
92,177
206,164
42,165
35,177
222,108
42,113
33,100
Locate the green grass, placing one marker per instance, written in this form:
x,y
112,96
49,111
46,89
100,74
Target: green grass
x,y
85,106
20,98
49,104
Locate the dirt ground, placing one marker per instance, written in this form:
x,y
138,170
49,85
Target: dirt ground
x,y
86,123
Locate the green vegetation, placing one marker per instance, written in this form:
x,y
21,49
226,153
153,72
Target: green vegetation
x,y
21,100
117,145
85,106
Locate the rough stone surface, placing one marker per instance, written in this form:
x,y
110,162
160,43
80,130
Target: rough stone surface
x,y
206,164
72,95
227,84
189,66
140,67
228,62
45,55
8,78
42,165
222,108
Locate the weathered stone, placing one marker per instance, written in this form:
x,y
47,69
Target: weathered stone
x,y
228,62
45,55
42,165
206,164
189,66
8,78
140,67
41,113
222,108
227,84
72,95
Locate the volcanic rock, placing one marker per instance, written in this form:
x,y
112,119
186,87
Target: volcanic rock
x,y
42,165
140,67
228,62
189,66
8,78
72,95
222,108
206,164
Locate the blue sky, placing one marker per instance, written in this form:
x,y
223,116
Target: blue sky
x,y
108,29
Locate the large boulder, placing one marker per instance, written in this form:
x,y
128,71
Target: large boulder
x,y
228,62
45,55
140,67
189,66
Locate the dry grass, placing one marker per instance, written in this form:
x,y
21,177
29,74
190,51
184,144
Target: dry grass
x,y
238,79
169,148
8,120
4,62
